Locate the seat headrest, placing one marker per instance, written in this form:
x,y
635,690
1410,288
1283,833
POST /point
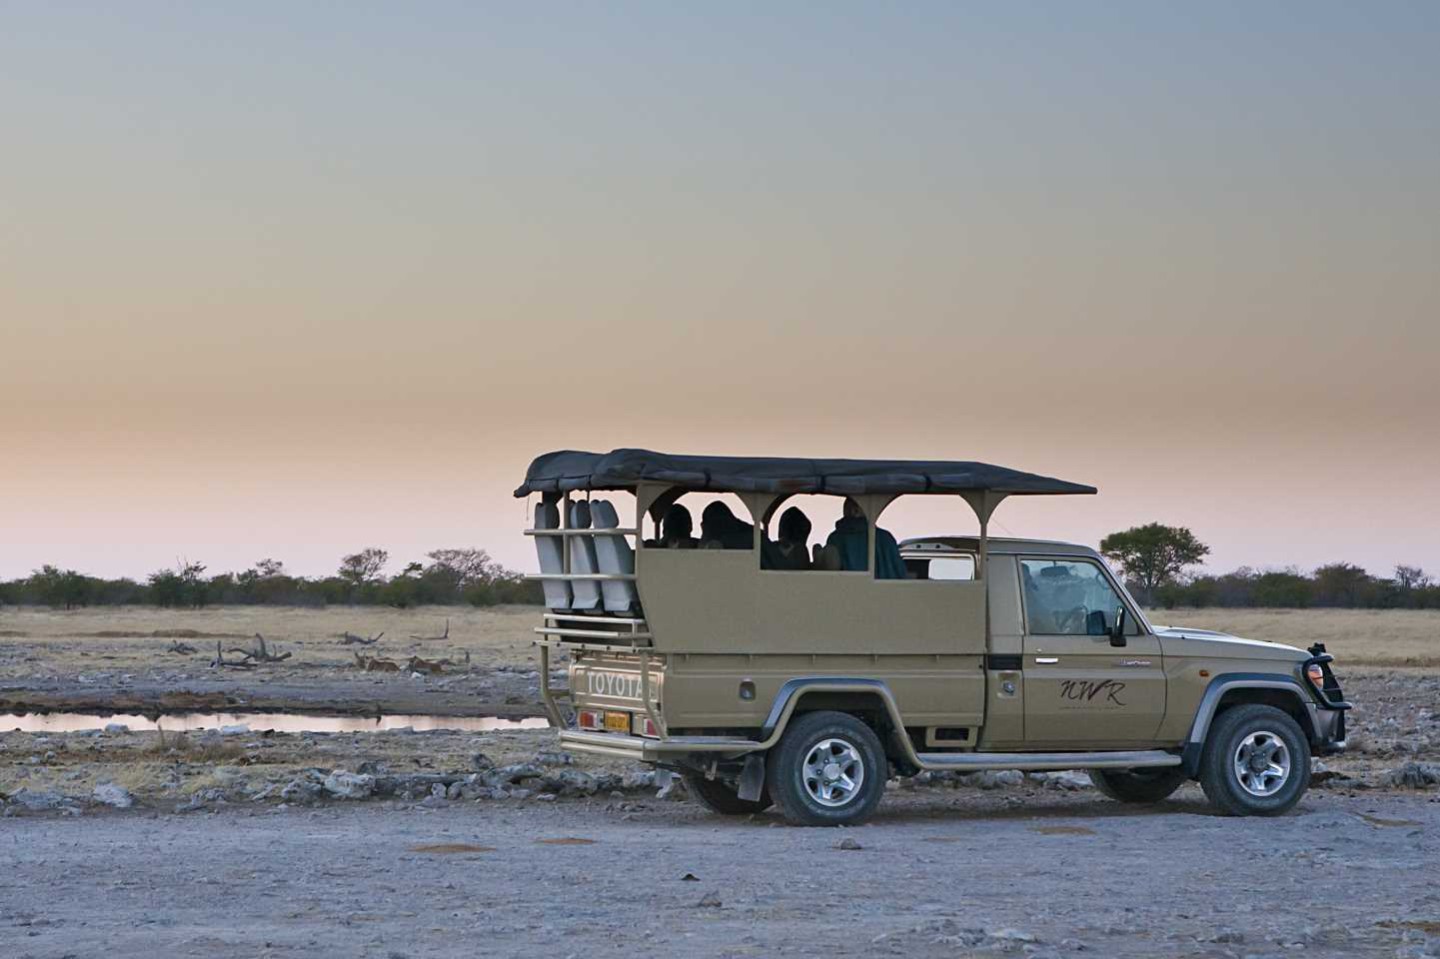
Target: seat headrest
x,y
547,516
580,515
603,515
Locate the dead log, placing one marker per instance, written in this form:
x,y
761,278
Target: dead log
x,y
220,662
350,639
259,653
431,639
183,649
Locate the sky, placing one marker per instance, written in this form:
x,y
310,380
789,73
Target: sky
x,y
288,280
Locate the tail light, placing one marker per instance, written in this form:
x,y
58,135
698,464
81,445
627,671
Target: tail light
x,y
643,726
590,719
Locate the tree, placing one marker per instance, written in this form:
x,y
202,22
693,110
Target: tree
x,y
1342,584
459,568
269,569
60,587
363,568
1153,555
182,586
1411,578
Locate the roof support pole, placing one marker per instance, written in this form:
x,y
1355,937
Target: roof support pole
x,y
983,502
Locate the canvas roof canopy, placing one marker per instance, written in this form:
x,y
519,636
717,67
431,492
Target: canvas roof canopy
x,y
624,469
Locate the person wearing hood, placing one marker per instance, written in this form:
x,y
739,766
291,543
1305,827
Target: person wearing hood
x,y
850,539
721,529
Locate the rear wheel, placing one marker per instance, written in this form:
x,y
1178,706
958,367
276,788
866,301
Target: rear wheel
x,y
828,770
1138,785
1256,762
719,796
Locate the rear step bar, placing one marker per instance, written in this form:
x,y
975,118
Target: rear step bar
x,y
1038,761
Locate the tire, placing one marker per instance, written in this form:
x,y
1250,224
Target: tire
x,y
1256,762
1138,785
828,770
719,796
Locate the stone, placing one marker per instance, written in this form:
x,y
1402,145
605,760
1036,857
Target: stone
x,y
347,785
38,800
573,782
1413,775
848,845
1069,780
481,762
711,900
514,773
116,729
300,791
239,729
109,794
554,758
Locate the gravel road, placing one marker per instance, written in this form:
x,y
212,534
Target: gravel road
x,y
937,873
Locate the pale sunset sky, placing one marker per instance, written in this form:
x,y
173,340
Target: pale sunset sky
x,y
286,280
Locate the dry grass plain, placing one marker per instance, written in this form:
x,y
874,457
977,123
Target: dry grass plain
x,y
134,638
1356,637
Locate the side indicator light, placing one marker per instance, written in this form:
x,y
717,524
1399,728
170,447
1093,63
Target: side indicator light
x,y
1204,673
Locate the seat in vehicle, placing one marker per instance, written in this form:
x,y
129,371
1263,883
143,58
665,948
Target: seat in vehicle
x,y
552,556
586,592
614,555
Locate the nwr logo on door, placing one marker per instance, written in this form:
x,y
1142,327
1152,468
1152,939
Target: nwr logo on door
x,y
1085,690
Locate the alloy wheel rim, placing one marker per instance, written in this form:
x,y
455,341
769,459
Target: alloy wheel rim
x,y
1262,763
833,772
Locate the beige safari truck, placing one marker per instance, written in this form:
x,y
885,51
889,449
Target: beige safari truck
x,y
769,670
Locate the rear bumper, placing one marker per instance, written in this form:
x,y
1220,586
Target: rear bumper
x,y
642,749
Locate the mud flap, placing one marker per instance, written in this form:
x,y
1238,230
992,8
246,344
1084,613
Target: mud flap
x,y
752,778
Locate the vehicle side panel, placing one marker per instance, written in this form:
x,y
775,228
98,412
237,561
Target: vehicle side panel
x,y
719,602
708,690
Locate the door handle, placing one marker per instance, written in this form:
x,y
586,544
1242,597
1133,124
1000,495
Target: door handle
x,y
1047,660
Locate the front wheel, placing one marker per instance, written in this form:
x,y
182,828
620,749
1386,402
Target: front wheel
x,y
718,796
1138,785
828,770
1256,762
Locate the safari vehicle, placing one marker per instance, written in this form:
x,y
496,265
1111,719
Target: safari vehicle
x,y
809,688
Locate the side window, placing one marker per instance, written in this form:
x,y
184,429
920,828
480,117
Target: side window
x,y
1067,598
960,567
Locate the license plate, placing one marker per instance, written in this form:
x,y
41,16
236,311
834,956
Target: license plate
x,y
617,722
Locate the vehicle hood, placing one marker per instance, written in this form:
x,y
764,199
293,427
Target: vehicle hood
x,y
1188,641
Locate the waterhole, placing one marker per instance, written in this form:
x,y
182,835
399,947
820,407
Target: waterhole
x,y
261,722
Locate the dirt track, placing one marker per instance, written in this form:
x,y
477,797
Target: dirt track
x,y
937,874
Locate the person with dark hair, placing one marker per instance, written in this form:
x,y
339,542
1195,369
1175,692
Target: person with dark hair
x,y
792,550
721,529
850,538
677,529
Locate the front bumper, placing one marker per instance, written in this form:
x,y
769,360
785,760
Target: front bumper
x,y
1327,707
1329,726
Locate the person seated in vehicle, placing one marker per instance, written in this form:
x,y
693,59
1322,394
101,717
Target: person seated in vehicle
x,y
792,549
676,530
850,537
722,529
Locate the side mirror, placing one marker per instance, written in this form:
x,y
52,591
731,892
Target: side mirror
x,y
1117,632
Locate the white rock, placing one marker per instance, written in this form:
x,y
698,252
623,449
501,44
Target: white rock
x,y
347,785
112,795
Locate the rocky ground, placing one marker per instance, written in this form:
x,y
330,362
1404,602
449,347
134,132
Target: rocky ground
x,y
1034,870
236,842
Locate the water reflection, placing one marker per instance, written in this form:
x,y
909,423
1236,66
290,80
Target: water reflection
x,y
261,722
